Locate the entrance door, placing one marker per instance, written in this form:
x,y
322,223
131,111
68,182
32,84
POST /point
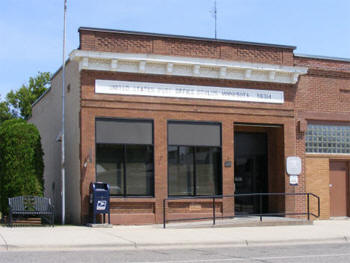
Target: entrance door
x,y
250,171
337,188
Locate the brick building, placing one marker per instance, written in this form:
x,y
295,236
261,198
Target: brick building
x,y
163,115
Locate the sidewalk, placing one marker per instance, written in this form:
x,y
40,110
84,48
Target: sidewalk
x,y
154,236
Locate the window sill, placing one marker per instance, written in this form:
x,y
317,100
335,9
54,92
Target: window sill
x,y
132,199
329,155
195,200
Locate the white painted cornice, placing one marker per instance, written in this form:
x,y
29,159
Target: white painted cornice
x,y
186,66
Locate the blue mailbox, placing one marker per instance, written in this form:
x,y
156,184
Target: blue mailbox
x,y
99,201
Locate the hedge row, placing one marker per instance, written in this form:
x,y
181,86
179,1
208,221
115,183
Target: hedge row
x,y
21,161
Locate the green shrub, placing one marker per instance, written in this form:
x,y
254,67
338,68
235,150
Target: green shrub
x,y
21,161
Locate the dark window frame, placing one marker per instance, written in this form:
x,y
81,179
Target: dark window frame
x,y
220,178
125,195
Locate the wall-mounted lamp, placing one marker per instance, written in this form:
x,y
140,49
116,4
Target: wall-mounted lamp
x,y
87,160
301,125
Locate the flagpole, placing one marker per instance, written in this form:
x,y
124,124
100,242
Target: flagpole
x,y
214,13
63,193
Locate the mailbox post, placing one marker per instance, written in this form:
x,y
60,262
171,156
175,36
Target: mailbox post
x,y
99,201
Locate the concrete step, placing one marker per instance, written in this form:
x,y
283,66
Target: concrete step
x,y
241,222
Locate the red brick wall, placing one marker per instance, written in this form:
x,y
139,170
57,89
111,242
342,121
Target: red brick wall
x,y
326,88
163,109
323,64
324,93
318,183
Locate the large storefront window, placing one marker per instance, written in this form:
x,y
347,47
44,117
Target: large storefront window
x,y
194,159
124,156
322,138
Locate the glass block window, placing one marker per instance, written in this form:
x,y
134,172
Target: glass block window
x,y
322,138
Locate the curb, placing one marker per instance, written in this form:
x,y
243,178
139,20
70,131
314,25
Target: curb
x,y
240,243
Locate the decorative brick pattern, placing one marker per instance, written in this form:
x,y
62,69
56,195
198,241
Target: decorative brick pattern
x,y
259,55
186,48
127,44
133,43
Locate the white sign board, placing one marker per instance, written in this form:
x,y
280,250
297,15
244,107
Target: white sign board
x,y
187,91
293,165
293,179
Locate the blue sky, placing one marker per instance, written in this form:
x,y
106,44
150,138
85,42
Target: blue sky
x,y
31,30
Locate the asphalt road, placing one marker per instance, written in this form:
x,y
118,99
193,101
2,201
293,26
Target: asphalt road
x,y
263,254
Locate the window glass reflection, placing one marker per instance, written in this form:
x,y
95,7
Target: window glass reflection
x,y
110,167
128,169
181,168
194,170
139,169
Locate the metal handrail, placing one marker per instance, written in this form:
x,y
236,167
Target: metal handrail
x,y
260,214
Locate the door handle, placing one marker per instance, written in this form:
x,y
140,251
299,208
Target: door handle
x,y
330,185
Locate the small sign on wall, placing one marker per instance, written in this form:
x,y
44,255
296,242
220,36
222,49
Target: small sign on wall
x,y
293,179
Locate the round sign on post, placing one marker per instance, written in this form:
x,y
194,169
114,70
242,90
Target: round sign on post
x,y
293,169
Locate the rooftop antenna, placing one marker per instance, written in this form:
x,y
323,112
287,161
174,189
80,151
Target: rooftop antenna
x,y
214,13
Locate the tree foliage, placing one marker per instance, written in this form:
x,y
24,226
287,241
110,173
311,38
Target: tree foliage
x,y
21,161
21,101
5,112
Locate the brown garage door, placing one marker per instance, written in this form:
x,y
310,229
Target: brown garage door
x,y
338,188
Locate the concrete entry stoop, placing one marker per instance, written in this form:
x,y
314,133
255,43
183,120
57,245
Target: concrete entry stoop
x,y
251,221
100,225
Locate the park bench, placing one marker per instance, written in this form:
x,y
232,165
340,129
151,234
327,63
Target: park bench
x,y
31,206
